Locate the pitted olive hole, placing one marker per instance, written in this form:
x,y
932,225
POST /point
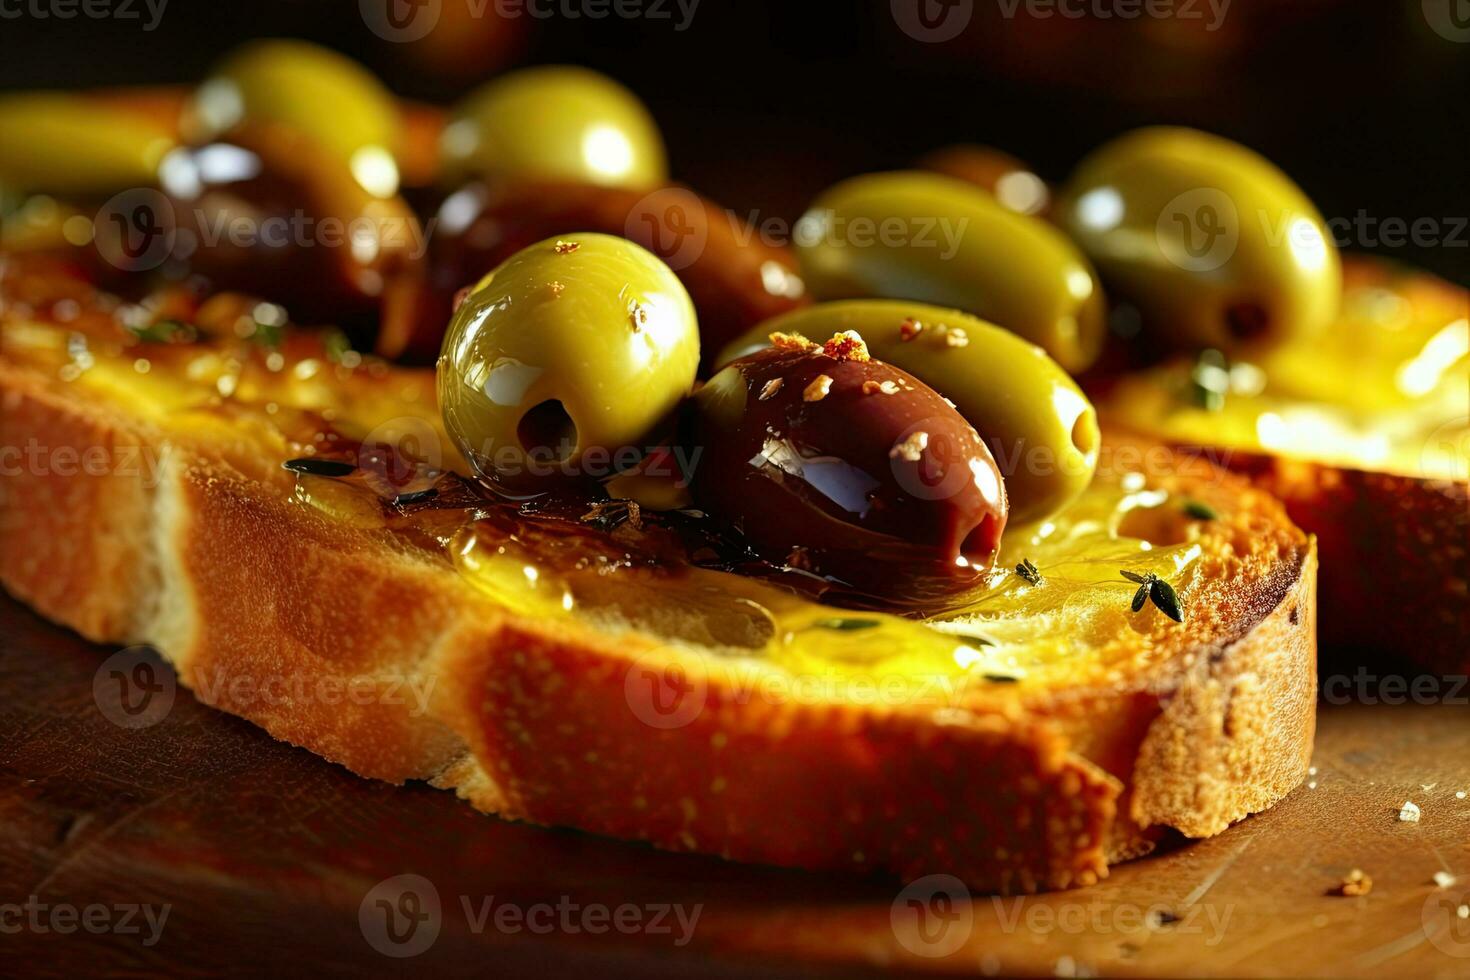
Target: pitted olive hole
x,y
548,426
1247,321
1084,433
979,544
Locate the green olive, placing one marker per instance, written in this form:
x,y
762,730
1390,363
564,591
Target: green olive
x,y
1039,426
301,86
926,237
571,345
68,144
554,123
1214,244
1004,177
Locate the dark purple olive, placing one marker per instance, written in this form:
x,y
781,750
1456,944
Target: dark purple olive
x,y
269,214
831,462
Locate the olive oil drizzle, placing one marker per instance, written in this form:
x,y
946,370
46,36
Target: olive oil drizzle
x,y
670,575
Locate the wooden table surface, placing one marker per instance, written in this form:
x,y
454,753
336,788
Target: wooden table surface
x,y
253,855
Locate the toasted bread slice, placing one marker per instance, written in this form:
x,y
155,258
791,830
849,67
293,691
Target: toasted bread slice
x,y
1367,446
1028,745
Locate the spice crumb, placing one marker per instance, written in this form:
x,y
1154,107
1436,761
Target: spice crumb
x,y
1460,795
847,346
909,329
792,341
1443,879
565,248
818,389
1354,883
1409,812
612,513
555,288
911,448
637,316
768,391
956,337
871,387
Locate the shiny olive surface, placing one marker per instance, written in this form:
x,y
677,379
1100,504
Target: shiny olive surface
x,y
562,360
266,214
735,281
66,144
554,123
848,468
319,93
930,238
1214,244
1039,425
1004,177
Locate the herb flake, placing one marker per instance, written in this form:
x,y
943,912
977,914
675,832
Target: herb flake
x,y
319,467
1209,380
1028,571
1200,510
336,345
164,332
1151,587
845,624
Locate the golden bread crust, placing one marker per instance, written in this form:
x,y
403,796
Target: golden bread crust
x,y
1395,555
254,600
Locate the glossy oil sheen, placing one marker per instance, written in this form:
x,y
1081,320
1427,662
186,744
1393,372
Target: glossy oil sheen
x,y
592,322
554,123
950,244
1002,634
312,90
69,145
1213,243
849,469
1041,428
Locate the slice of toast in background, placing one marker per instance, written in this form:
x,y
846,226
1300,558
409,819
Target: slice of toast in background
x,y
1362,458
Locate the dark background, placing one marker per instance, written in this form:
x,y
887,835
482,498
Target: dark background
x,y
764,104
